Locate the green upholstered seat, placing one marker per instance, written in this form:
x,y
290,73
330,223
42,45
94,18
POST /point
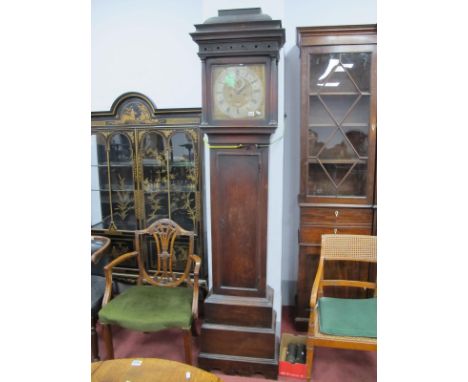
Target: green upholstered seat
x,y
348,317
150,308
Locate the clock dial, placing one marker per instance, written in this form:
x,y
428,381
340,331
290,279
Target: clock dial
x,y
238,91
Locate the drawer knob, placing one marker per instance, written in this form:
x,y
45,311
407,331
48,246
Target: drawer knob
x,y
335,230
337,213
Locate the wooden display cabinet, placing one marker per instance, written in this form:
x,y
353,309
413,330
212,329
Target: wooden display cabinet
x,y
145,166
338,148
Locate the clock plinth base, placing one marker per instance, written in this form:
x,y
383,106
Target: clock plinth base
x,y
244,366
238,335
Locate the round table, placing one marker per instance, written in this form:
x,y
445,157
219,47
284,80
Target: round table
x,y
146,369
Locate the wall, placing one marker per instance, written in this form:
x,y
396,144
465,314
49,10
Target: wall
x,y
145,46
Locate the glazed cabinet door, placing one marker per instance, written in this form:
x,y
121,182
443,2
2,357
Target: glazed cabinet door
x,y
338,124
169,184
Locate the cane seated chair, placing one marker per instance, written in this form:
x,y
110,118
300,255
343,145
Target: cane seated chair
x,y
160,300
336,322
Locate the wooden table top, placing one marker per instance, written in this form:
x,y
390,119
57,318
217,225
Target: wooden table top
x,y
147,369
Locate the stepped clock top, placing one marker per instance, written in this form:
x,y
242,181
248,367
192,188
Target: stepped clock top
x,y
239,32
238,15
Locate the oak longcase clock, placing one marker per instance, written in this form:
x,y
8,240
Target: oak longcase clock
x,y
239,50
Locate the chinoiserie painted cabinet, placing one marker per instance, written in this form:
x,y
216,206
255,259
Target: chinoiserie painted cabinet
x,y
338,148
145,166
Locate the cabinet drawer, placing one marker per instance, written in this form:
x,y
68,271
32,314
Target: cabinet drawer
x,y
311,234
325,216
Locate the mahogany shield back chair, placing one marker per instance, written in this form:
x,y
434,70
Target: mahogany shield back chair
x,y
162,299
99,245
338,322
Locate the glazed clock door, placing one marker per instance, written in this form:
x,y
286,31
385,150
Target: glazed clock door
x,y
340,124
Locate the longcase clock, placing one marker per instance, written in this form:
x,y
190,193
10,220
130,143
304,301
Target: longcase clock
x,y
239,50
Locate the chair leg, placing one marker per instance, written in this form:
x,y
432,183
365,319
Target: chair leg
x,y
94,340
107,334
310,360
195,328
188,346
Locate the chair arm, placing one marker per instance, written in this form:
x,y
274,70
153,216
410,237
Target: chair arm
x,y
108,273
315,287
96,256
196,259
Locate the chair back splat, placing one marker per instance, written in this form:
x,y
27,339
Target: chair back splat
x,y
164,232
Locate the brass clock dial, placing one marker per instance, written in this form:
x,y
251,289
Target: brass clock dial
x,y
238,91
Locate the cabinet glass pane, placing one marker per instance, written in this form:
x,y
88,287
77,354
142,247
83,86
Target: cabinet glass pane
x,y
122,182
359,114
121,178
356,181
155,182
156,206
358,66
152,149
337,179
120,150
103,209
339,106
338,125
319,183
321,66
153,156
182,163
358,136
318,136
318,114
337,146
99,180
183,209
123,210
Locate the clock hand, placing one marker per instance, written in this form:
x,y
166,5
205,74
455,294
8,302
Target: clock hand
x,y
242,87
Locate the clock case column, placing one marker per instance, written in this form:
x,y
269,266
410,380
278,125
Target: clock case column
x,y
239,328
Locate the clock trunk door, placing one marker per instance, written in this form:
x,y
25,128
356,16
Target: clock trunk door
x,y
239,202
